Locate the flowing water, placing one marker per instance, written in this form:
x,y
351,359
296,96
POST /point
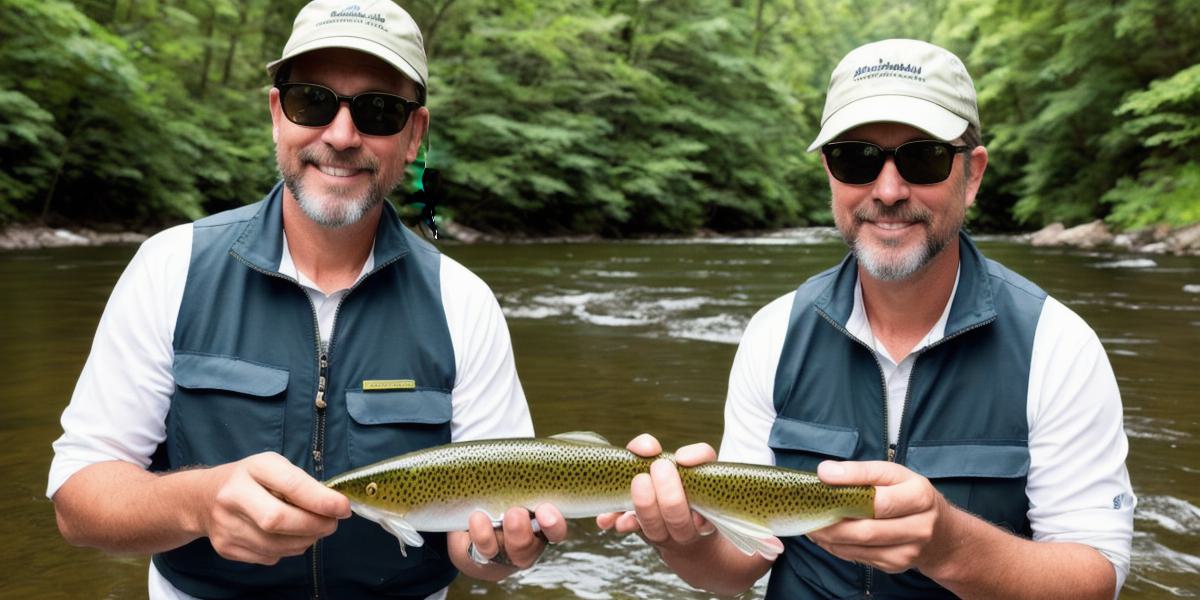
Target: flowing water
x,y
621,338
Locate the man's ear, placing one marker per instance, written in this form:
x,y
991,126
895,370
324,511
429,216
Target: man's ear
x,y
418,125
979,162
276,112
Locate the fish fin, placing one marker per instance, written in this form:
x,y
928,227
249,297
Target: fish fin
x,y
582,437
393,524
746,536
803,526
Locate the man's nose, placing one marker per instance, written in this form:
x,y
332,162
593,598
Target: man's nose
x,y
341,133
890,187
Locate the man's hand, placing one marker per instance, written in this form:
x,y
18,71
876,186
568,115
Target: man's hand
x,y
910,518
263,508
661,512
521,544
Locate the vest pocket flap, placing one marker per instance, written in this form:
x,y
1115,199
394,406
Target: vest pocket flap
x,y
205,372
969,460
429,407
828,440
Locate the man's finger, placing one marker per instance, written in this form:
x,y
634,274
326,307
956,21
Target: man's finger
x,y
645,504
522,547
247,502
672,502
644,445
483,534
695,454
275,473
875,472
908,497
607,520
553,525
628,522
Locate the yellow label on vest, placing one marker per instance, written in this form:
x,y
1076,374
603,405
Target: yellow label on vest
x,y
370,385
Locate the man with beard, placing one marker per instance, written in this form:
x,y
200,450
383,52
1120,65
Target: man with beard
x,y
984,412
247,356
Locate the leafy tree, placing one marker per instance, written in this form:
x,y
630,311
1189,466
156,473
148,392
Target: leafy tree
x,y
603,116
1076,126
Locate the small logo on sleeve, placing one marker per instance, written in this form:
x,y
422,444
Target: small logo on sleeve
x,y
1123,500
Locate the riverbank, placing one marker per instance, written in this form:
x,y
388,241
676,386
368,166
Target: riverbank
x,y
1180,241
28,237
1160,239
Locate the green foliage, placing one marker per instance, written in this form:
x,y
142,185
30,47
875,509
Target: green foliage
x,y
603,116
1089,108
632,117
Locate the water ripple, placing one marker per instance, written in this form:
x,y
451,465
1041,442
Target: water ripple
x,y
1173,514
1146,428
673,312
1128,263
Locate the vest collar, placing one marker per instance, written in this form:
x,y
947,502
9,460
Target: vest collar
x,y
260,244
973,302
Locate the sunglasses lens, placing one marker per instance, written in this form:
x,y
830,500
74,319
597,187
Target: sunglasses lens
x,y
854,162
379,114
925,161
309,105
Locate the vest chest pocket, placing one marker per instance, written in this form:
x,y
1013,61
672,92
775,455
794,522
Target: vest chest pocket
x,y
987,480
224,409
388,423
802,445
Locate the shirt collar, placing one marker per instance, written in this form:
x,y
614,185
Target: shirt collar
x,y
288,268
860,326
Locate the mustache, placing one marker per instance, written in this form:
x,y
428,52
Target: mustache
x,y
352,159
894,212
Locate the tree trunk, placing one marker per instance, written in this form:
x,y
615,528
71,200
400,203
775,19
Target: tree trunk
x,y
243,15
62,159
208,46
433,25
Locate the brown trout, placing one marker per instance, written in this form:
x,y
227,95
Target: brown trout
x,y
437,489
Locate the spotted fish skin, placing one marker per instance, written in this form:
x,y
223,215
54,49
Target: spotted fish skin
x,y
437,489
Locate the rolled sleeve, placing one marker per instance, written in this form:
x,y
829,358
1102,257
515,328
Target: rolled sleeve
x,y
1078,486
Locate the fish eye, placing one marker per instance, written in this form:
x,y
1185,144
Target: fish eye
x,y
372,488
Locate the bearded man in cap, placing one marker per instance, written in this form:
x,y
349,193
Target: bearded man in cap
x,y
247,356
984,412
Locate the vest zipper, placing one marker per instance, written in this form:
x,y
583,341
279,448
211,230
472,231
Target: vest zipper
x,y
319,402
318,452
869,572
894,451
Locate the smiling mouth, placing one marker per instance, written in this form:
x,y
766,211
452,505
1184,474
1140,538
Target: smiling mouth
x,y
335,171
892,225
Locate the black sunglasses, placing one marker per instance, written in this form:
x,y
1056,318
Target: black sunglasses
x,y
920,161
374,113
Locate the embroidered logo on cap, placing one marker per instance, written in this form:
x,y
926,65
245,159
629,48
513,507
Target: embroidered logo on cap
x,y
889,69
353,14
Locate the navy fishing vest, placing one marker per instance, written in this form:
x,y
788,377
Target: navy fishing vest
x,y
964,423
248,372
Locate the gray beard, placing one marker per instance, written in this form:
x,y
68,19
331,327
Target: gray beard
x,y
883,265
896,268
340,209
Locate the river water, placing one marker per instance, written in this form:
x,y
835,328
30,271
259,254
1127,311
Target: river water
x,y
621,338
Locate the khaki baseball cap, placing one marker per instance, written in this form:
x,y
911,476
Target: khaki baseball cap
x,y
900,81
380,28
